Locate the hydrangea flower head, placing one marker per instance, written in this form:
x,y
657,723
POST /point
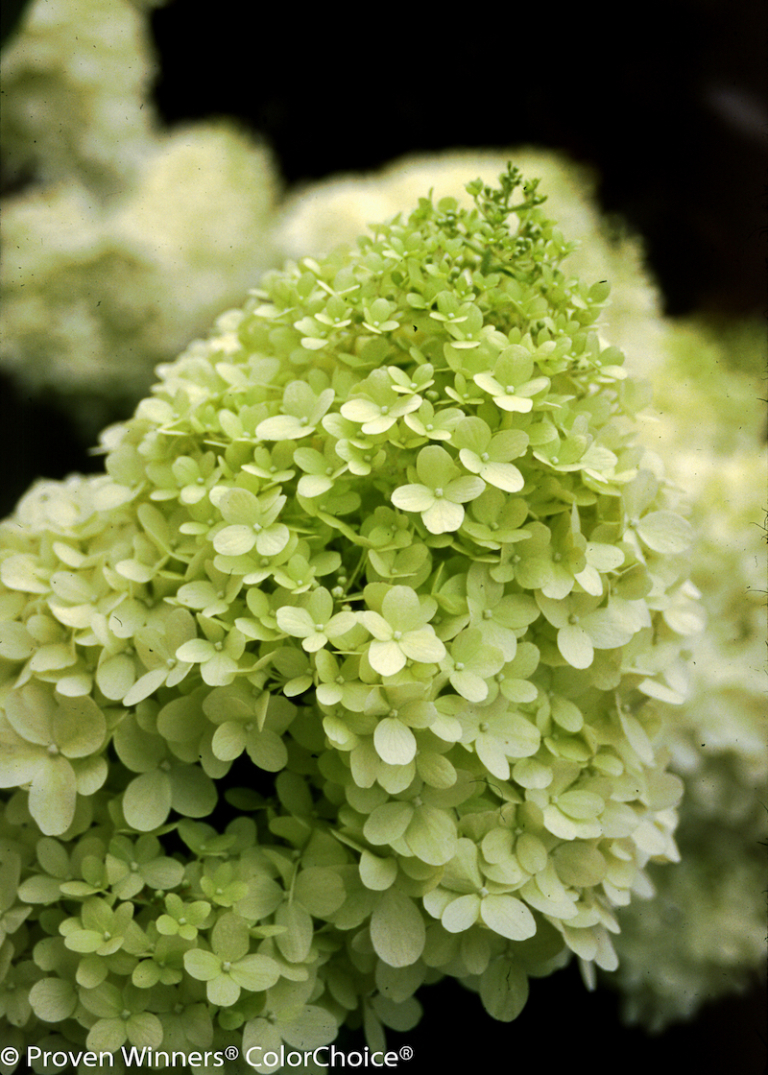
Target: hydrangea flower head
x,y
385,549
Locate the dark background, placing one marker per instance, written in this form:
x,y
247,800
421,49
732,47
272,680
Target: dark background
x,y
670,103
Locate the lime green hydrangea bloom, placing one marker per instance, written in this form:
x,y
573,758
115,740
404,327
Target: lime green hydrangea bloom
x,y
306,563
708,426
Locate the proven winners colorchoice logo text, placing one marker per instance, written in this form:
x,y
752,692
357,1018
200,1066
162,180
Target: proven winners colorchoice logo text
x,y
133,1057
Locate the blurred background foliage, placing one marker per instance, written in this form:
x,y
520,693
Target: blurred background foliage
x,y
156,158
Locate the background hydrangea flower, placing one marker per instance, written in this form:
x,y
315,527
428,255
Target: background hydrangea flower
x,y
106,228
686,947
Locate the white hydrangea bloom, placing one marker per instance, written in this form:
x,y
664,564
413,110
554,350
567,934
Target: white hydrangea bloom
x,y
97,293
74,81
131,240
703,935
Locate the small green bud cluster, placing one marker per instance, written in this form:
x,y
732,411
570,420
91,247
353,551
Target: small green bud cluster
x,y
386,542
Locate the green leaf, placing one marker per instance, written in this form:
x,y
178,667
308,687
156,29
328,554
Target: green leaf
x,y
423,646
431,835
398,932
579,864
79,727
39,889
53,795
504,990
193,793
320,890
575,645
267,750
231,541
443,516
256,972
107,1035
376,873
413,498
201,964
386,658
115,676
147,801
665,532
230,939
282,427
395,742
508,917
462,913
580,804
145,1030
229,740
296,942
313,1028
637,737
194,651
53,1000
83,940
259,1034
566,714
